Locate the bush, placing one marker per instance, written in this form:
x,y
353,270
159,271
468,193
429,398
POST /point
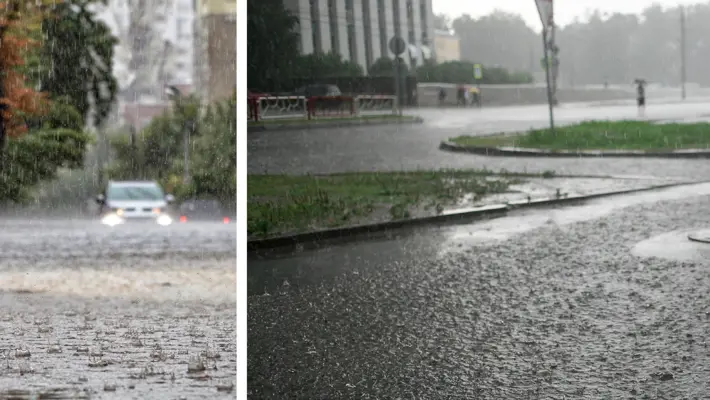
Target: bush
x,y
36,157
462,72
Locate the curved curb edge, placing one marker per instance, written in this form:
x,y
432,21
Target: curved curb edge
x,y
526,152
465,216
698,237
334,124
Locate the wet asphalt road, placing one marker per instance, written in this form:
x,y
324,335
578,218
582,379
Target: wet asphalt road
x,y
545,304
416,146
117,313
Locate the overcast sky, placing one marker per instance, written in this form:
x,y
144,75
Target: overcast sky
x,y
565,10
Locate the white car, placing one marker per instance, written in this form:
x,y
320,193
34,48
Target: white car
x,y
134,200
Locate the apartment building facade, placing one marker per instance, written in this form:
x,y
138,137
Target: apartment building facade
x,y
215,49
360,30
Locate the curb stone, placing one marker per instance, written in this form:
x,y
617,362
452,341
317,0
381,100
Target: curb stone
x,y
333,124
529,152
351,233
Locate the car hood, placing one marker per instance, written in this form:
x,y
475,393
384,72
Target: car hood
x,y
137,204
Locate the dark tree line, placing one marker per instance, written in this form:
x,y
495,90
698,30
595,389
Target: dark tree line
x,y
613,48
274,62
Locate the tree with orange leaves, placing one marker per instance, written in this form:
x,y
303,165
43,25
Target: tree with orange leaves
x,y
26,158
17,19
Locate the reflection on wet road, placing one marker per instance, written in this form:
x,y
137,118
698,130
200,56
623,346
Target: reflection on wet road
x,y
134,311
541,304
392,147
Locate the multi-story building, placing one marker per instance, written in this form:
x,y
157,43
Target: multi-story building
x,y
360,30
447,46
215,49
155,45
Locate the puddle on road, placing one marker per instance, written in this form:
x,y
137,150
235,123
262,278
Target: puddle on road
x,y
673,246
208,280
522,221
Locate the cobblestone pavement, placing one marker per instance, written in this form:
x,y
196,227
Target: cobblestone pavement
x,y
141,311
543,304
416,146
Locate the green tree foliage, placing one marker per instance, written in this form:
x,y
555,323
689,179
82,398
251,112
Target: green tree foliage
x,y
331,64
215,160
601,47
156,151
462,72
441,21
499,39
78,56
384,66
37,156
61,114
272,45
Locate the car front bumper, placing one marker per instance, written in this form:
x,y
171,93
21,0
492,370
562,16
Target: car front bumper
x,y
113,219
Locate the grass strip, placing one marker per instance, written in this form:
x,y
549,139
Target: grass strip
x,y
325,120
603,135
287,204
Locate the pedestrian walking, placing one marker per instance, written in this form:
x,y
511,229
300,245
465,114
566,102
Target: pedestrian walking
x,y
641,96
475,96
442,96
461,96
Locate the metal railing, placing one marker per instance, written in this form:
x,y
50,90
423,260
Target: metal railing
x,y
263,108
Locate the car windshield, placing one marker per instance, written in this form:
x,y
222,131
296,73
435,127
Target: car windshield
x,y
138,192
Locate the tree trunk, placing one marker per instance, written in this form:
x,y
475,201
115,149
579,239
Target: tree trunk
x,y
3,134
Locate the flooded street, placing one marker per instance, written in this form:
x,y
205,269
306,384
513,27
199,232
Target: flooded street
x,y
413,147
134,311
549,303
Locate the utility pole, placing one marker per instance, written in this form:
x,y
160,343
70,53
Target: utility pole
x,y
548,72
682,52
177,99
545,9
554,63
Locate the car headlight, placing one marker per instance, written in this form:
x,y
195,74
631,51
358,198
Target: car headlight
x,y
164,220
111,219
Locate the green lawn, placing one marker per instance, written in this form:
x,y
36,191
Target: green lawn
x,y
280,204
603,135
299,121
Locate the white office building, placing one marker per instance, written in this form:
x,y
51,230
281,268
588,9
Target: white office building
x,y
360,30
155,43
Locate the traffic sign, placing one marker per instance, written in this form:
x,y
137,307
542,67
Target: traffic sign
x,y
397,46
477,71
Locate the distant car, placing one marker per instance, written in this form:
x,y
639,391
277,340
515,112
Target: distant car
x,y
125,201
203,210
318,90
